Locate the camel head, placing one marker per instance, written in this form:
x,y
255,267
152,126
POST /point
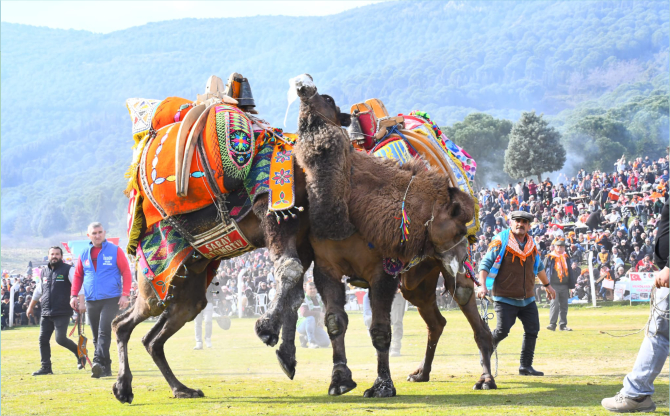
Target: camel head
x,y
448,231
322,106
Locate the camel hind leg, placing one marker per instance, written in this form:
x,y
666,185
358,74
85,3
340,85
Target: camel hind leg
x,y
423,297
123,326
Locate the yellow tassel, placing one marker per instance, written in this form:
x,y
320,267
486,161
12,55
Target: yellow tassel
x,y
136,230
141,140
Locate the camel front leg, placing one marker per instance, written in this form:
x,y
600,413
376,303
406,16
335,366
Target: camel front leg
x,y
382,291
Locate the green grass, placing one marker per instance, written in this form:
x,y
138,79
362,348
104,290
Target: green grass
x,y
241,376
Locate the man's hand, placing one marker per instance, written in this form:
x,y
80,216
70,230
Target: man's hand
x,y
123,302
482,292
82,304
73,303
29,312
662,278
551,293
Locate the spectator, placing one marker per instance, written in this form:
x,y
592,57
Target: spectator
x,y
310,321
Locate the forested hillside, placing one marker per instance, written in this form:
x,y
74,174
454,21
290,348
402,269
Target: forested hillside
x,y
66,133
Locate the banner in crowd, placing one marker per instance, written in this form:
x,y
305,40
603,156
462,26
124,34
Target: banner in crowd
x,y
640,286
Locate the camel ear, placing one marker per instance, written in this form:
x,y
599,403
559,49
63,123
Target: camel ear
x,y
345,119
455,209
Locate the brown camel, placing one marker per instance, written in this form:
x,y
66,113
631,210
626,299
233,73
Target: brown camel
x,y
377,189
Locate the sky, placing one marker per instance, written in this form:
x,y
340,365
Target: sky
x,y
110,16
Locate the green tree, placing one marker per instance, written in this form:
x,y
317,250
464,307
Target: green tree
x,y
534,148
485,138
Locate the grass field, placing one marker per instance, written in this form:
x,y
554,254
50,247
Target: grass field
x,y
241,376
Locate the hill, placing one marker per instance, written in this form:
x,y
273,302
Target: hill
x,y
66,134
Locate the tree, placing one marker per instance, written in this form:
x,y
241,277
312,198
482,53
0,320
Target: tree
x,y
485,138
534,148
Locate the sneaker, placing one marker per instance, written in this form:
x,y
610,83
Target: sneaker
x,y
208,343
81,363
96,370
623,404
43,371
198,346
303,341
551,327
107,372
313,345
565,328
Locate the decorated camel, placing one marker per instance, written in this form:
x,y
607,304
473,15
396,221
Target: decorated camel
x,y
239,165
378,195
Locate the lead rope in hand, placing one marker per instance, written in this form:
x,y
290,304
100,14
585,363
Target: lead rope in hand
x,y
486,315
653,310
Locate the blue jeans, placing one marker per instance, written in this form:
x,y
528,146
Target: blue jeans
x,y
653,353
314,333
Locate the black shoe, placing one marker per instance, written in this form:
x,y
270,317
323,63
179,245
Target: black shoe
x,y
96,370
565,328
107,372
529,371
81,363
43,371
551,327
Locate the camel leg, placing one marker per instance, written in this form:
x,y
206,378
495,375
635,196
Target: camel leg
x,y
186,305
286,351
333,293
288,269
382,291
462,290
123,326
423,297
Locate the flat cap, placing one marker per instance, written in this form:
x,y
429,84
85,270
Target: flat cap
x,y
521,215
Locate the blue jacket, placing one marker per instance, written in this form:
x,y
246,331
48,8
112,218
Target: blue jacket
x,y
105,282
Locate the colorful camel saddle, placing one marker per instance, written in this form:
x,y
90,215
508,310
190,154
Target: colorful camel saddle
x,y
236,158
404,137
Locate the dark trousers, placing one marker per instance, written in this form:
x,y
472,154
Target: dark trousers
x,y
47,326
506,315
101,313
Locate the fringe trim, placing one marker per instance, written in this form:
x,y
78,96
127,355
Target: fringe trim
x,y
136,230
141,140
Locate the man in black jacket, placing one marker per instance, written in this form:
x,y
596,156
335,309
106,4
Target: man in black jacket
x,y
562,276
53,290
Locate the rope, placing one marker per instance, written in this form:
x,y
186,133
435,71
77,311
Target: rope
x,y
486,315
653,310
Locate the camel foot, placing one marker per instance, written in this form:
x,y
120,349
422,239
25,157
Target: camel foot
x,y
122,393
419,376
266,332
381,388
186,393
341,381
287,364
486,382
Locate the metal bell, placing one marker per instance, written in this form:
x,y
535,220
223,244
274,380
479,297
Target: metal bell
x,y
355,131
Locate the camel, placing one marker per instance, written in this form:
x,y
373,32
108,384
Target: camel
x,y
371,191
292,253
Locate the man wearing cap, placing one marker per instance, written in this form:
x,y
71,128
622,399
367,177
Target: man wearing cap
x,y
509,268
561,274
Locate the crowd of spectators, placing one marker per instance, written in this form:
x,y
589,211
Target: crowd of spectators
x,y
22,299
613,215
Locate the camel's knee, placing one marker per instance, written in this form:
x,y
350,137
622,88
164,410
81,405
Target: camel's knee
x,y
462,294
381,336
336,324
289,270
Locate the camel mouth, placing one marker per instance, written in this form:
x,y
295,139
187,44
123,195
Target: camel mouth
x,y
453,259
304,86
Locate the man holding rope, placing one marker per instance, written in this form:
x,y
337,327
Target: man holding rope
x,y
512,262
638,386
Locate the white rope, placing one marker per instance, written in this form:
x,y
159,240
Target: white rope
x,y
654,311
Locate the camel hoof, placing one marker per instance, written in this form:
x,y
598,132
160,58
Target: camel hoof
x,y
287,366
419,377
381,388
485,384
187,393
122,395
341,381
265,333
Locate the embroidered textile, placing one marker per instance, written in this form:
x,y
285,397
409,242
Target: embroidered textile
x,y
236,140
161,251
282,180
141,112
